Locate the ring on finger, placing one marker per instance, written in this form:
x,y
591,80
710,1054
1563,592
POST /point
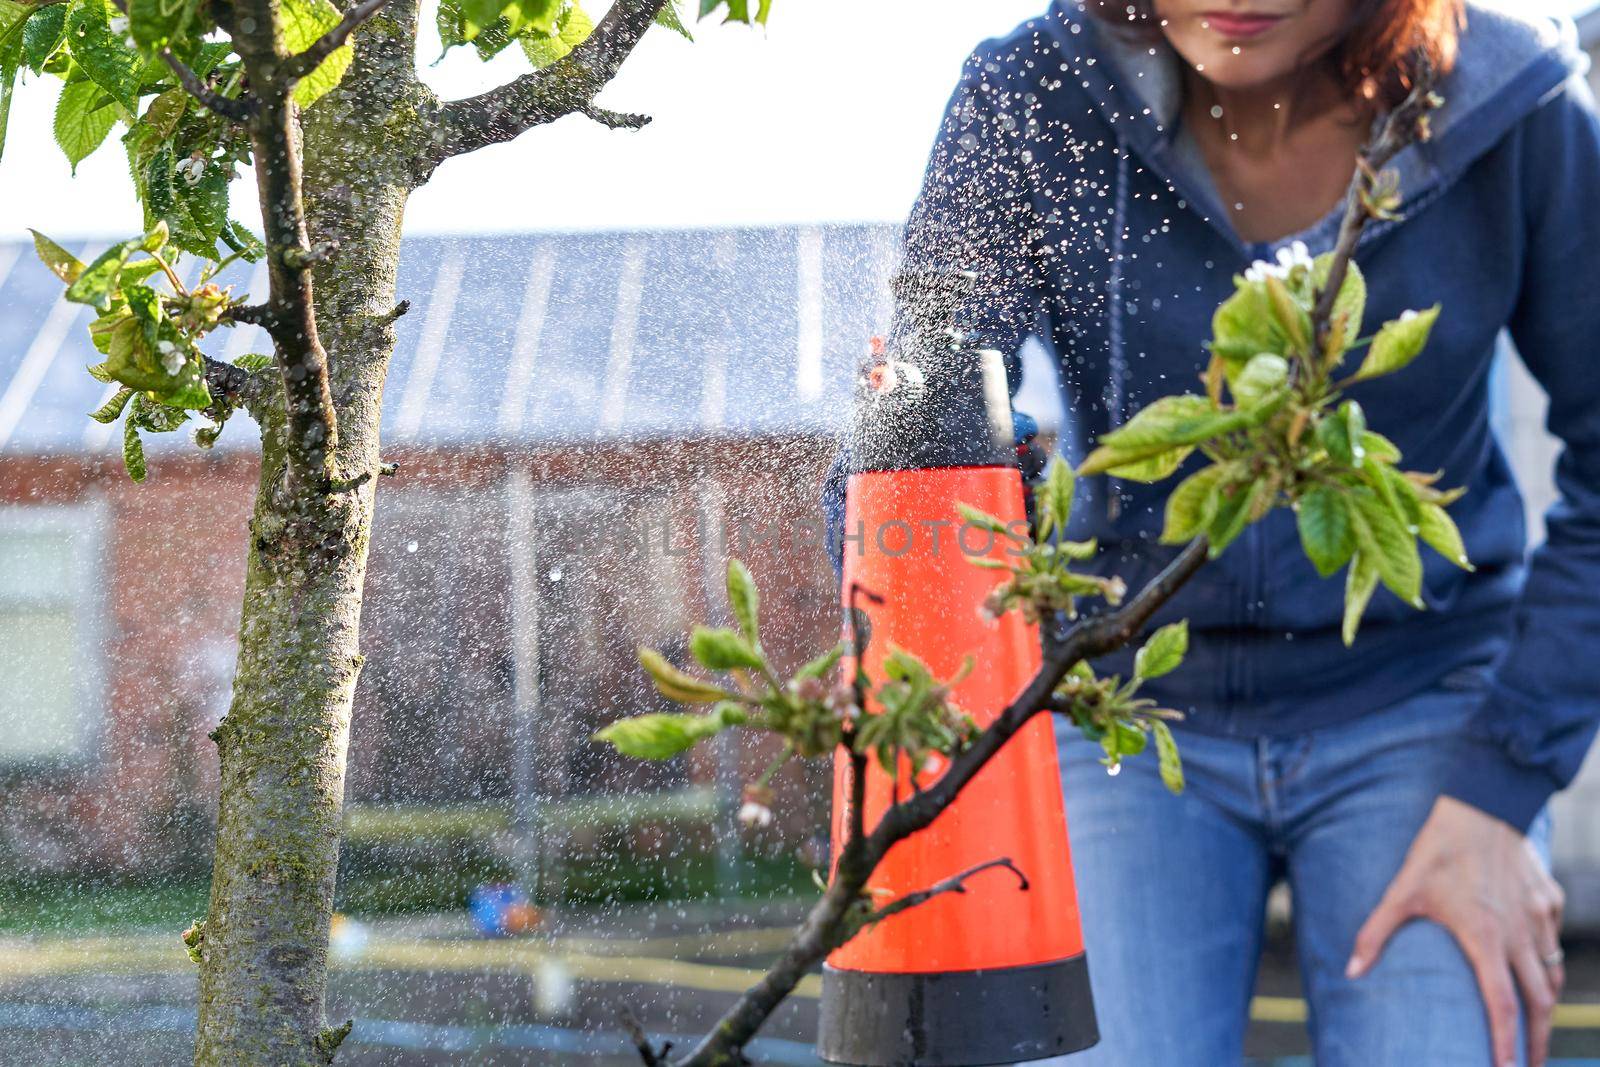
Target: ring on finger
x,y
1554,959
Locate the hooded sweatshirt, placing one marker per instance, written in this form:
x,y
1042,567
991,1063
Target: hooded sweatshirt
x,y
1063,177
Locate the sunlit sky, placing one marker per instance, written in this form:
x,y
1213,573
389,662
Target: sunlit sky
x,y
825,116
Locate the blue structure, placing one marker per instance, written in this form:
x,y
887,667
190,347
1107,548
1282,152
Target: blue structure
x,y
547,339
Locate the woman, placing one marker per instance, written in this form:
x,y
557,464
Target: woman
x,y
1106,172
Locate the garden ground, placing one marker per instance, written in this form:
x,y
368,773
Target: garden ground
x,y
425,990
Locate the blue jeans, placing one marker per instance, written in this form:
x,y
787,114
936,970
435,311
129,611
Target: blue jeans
x,y
1173,891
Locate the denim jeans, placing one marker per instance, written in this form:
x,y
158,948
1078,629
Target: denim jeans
x,y
1173,891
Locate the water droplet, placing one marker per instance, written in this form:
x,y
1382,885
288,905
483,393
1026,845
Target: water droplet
x,y
1216,111
555,573
1114,770
411,546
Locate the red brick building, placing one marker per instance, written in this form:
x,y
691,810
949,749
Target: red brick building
x,y
586,426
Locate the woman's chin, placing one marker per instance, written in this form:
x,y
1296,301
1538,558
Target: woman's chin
x,y
1244,72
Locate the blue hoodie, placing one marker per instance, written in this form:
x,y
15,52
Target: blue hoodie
x,y
1062,176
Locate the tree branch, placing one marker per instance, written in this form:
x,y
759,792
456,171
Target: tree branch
x,y
567,86
229,108
310,421
303,63
838,915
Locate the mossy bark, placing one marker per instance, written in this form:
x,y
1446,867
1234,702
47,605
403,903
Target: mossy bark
x,y
282,745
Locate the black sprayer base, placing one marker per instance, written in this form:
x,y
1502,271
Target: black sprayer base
x,y
956,1018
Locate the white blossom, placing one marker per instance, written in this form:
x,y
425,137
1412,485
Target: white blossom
x,y
1289,259
172,357
753,814
192,170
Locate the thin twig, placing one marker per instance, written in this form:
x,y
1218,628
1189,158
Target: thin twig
x,y
616,120
1403,126
956,883
251,314
299,65
652,1056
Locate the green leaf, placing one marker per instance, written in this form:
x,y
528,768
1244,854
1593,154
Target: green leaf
x,y
1361,581
659,737
1122,739
1233,513
1192,505
13,23
1327,532
678,685
111,410
1155,468
738,10
1389,546
745,600
1167,752
573,27
451,24
304,22
1163,652
1341,434
1263,376
1053,499
982,520
1395,490
132,451
85,114
1292,320
668,16
1352,299
199,211
538,15
98,281
254,361
1169,423
723,650
1438,530
101,52
1398,343
1243,326
155,24
43,34
237,236
1378,446
821,665
62,264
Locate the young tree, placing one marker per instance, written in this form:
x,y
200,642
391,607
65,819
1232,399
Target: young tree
x,y
1278,432
327,105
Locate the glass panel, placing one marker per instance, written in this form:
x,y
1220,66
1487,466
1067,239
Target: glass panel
x,y
35,565
39,716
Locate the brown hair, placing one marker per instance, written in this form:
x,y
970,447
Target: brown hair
x,y
1384,46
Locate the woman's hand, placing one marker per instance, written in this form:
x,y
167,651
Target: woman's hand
x,y
1481,880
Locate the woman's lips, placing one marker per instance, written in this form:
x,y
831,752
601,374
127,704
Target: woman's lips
x,y
1237,25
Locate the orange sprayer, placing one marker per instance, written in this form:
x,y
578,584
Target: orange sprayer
x,y
996,974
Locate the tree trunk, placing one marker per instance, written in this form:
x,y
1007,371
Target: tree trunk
x,y
263,971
